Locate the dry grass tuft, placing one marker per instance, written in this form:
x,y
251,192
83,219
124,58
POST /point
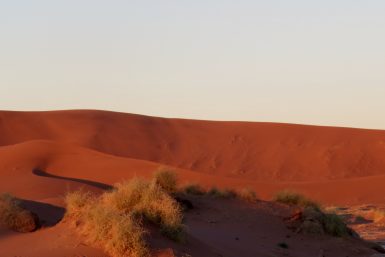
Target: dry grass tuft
x,y
118,233
193,189
247,194
114,220
166,179
313,218
14,217
334,225
222,193
293,198
150,201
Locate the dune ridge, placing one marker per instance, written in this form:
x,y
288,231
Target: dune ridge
x,y
252,150
332,165
44,155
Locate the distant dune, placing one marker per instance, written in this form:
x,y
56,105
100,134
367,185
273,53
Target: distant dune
x,y
44,155
258,151
108,146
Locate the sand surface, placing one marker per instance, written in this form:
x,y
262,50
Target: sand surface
x,y
43,155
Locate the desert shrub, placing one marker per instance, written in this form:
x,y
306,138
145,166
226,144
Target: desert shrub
x,y
247,194
114,217
334,225
193,189
118,233
14,217
222,193
76,201
160,208
166,179
150,201
126,195
316,221
292,198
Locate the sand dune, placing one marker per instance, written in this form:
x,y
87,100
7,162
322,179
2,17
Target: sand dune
x,y
258,151
43,155
266,156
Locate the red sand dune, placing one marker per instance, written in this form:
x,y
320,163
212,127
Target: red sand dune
x,y
43,155
266,156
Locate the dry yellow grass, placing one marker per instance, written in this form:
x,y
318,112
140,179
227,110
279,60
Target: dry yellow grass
x,y
193,189
222,193
14,217
148,200
166,179
247,194
293,198
114,220
119,234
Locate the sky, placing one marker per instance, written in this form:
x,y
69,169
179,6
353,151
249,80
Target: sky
x,y
298,61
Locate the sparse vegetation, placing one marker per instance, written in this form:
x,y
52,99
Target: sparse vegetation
x,y
193,189
293,198
166,179
150,201
247,194
117,232
14,217
334,225
222,193
313,219
76,201
115,218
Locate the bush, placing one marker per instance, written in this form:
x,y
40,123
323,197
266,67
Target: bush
x,y
116,232
222,193
126,195
193,189
148,200
14,217
113,220
166,179
76,201
334,225
292,198
247,194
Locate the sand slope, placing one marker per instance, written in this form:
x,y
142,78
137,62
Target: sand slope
x,y
258,151
43,155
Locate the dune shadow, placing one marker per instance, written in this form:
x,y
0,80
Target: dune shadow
x,y
99,185
49,215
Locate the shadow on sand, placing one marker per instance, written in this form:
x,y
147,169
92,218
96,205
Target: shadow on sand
x,y
99,185
49,214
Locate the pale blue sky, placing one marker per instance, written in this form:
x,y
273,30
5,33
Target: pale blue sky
x,y
313,62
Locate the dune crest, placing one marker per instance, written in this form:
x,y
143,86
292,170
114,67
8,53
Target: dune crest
x,y
252,150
